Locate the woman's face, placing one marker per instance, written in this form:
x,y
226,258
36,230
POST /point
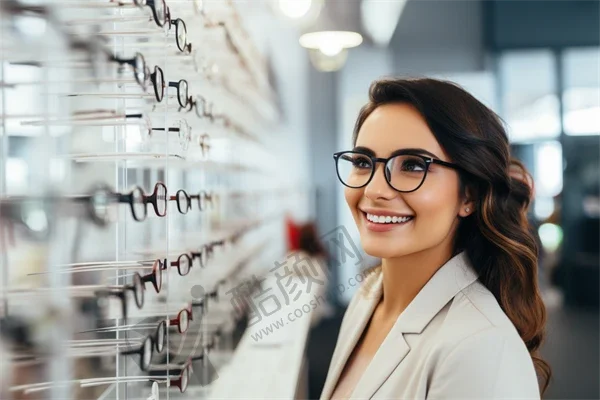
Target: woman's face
x,y
434,207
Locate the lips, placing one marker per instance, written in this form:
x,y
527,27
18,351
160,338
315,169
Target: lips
x,y
371,225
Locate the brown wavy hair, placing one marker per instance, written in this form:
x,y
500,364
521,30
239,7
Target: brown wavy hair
x,y
497,237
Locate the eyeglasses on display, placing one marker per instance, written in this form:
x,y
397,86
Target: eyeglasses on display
x,y
103,197
154,277
158,81
206,252
137,288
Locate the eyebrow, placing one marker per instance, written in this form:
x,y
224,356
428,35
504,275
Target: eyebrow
x,y
411,150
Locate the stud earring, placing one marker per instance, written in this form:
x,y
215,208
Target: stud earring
x,y
467,209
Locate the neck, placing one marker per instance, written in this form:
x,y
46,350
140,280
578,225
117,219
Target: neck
x,y
404,277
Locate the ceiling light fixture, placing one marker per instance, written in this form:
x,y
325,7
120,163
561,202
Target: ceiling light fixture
x,y
328,40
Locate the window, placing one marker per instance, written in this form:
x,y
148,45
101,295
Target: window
x,y
581,96
530,105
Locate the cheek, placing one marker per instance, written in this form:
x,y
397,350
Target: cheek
x,y
436,197
352,197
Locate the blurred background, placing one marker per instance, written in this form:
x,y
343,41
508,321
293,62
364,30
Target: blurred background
x,y
535,63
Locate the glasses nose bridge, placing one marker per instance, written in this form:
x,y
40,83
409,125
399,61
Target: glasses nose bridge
x,y
383,161
375,183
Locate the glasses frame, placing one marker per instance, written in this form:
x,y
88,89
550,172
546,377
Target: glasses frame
x,y
137,63
182,98
204,143
184,132
187,201
148,341
137,286
204,198
152,4
374,160
177,321
177,263
151,199
184,47
206,252
154,277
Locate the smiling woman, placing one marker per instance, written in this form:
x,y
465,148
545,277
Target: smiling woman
x,y
454,310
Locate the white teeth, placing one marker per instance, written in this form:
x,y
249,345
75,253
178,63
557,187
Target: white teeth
x,y
386,219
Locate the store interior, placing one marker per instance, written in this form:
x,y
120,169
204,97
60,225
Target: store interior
x,y
166,166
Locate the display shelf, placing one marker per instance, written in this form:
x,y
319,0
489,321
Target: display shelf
x,y
147,190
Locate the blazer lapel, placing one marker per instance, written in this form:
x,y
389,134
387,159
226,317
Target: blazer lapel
x,y
448,281
359,317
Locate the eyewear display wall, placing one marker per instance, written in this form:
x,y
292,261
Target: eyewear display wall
x,y
121,157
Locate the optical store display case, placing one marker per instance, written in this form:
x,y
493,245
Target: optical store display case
x,y
137,189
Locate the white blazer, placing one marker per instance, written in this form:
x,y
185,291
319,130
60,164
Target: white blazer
x,y
453,341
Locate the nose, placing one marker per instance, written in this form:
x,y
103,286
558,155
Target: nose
x,y
378,187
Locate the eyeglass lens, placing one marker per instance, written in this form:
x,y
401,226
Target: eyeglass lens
x,y
183,201
138,204
158,81
159,199
180,34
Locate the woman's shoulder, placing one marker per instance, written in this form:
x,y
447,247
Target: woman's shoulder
x,y
477,339
475,320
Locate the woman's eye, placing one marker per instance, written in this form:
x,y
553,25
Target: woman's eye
x,y
413,165
361,163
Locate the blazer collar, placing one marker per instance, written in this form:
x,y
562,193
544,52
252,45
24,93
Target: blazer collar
x,y
455,275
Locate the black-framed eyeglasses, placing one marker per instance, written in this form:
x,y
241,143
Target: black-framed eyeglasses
x,y
145,352
405,171
182,91
181,35
183,263
159,10
137,287
183,200
138,63
203,108
102,197
158,81
206,252
155,277
204,198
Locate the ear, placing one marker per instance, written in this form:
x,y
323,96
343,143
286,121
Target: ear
x,y
467,205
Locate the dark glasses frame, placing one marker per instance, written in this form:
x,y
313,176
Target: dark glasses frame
x,y
137,63
179,263
137,287
204,198
206,252
182,87
374,160
145,351
158,12
151,199
155,277
180,26
183,200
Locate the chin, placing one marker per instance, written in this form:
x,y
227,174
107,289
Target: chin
x,y
381,248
